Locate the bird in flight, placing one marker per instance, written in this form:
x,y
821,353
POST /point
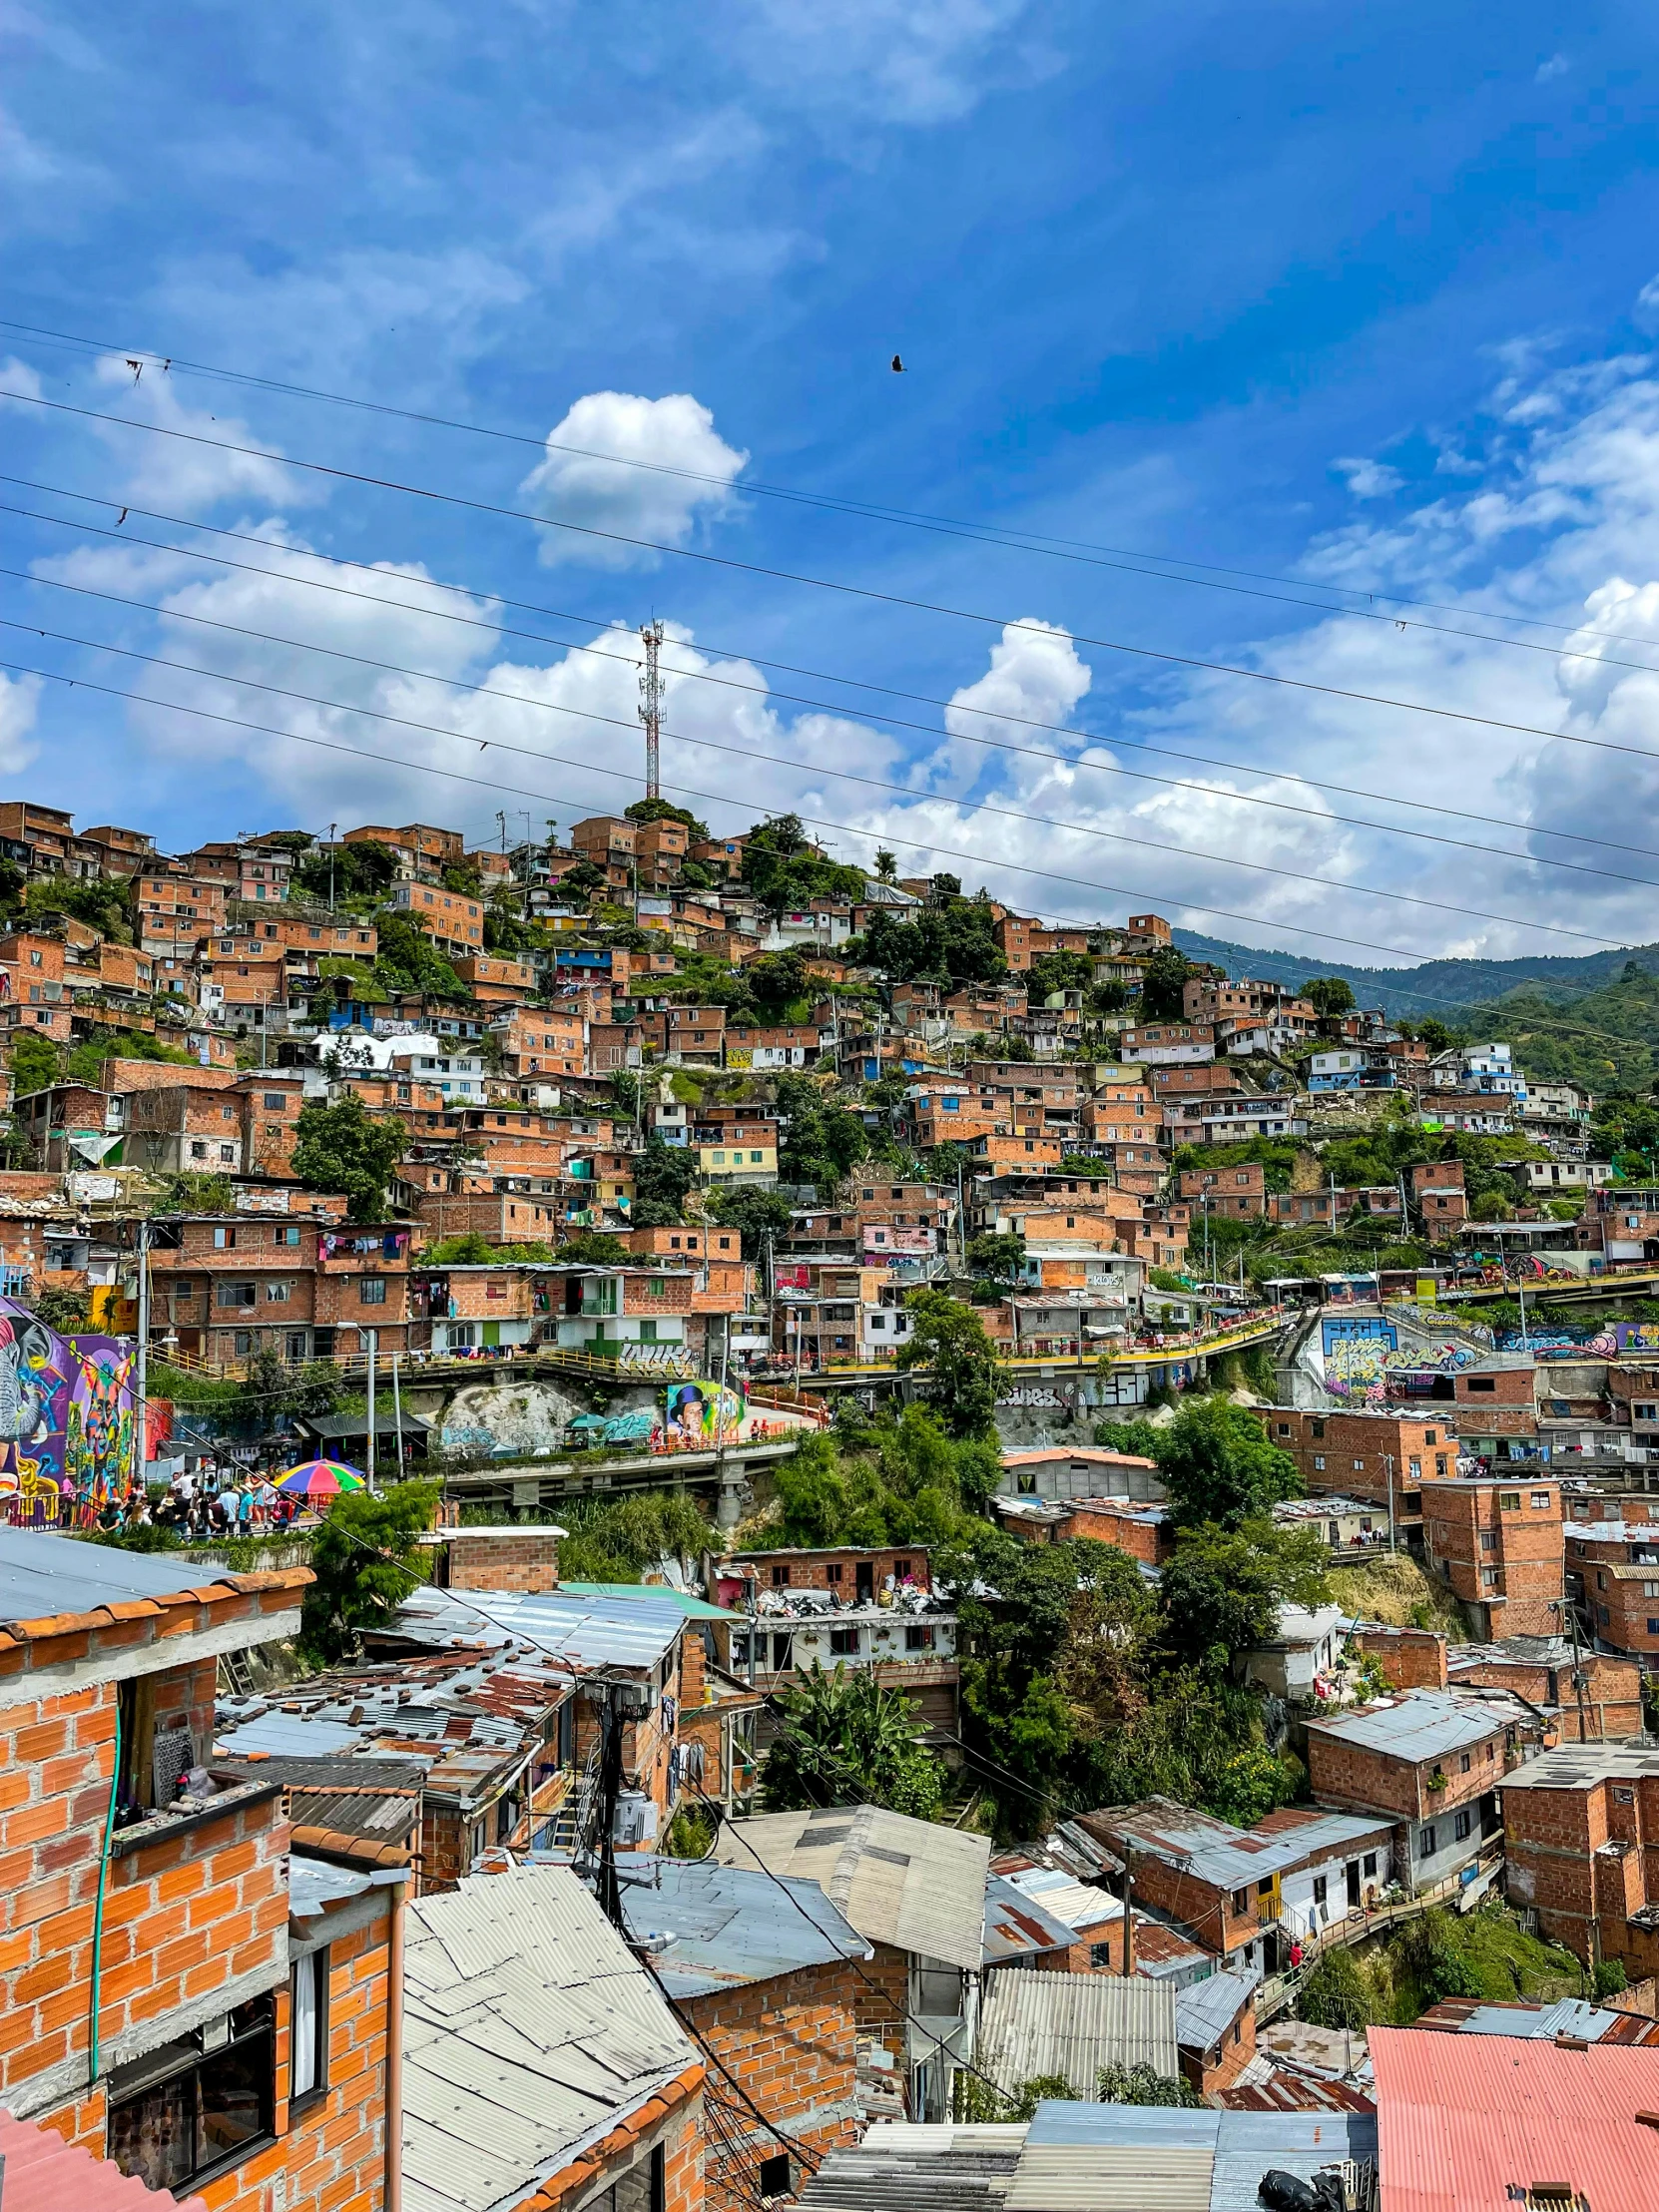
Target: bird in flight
x,y
898,366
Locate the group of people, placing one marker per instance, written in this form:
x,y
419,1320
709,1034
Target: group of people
x,y
207,1503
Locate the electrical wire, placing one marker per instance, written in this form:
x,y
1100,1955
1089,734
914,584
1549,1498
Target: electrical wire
x,y
1127,559
1414,997
1009,814
1425,998
864,592
1038,753
761,660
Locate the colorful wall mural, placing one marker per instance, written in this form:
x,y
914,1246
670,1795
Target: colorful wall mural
x,y
66,1415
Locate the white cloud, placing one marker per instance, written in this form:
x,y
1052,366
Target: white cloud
x,y
1647,304
897,61
18,380
19,706
1556,66
1368,479
173,472
675,433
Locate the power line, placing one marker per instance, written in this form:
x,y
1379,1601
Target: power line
x,y
1130,560
845,775
454,776
1072,761
817,583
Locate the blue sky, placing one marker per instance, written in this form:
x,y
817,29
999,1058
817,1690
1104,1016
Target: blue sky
x,y
1340,297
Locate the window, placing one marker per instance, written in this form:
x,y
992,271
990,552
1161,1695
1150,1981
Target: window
x,y
1370,1862
1463,1764
224,1239
774,2175
1101,1957
1321,1888
194,2106
1319,1461
277,1294
844,1642
309,2027
1358,1466
231,1296
1485,1382
1488,1540
1461,1825
919,1639
640,2189
1439,1464
1508,1501
371,1291
286,1234
1425,1842
1240,1900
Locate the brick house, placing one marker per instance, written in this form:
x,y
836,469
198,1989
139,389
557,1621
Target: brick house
x,y
228,1285
1245,1893
474,1306
184,1128
1433,1761
1235,1192
205,2075
1497,1410
1497,1544
763,1972
1606,1705
915,1892
454,923
1582,1841
1353,1454
852,1572
542,1041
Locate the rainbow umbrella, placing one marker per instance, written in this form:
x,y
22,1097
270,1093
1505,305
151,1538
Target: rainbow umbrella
x,y
321,1478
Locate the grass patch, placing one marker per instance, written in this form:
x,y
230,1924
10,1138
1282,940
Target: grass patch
x,y
1399,1593
1437,1956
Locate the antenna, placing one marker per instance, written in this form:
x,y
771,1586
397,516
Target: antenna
x,y
651,705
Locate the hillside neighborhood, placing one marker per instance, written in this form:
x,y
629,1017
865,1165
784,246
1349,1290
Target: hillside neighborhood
x,y
957,1547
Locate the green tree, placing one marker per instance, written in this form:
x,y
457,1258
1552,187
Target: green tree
x,y
886,867
952,941
999,1254
592,1246
339,1148
662,1174
407,960
468,1250
366,1559
786,870
1140,2084
365,870
1337,1992
1137,1439
1222,1591
1328,995
947,1343
662,810
755,1213
1218,1465
1164,976
190,1193
1059,972
34,1063
617,1541
61,1308
843,1739
820,1141
653,1213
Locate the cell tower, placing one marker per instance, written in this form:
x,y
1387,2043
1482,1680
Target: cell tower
x,y
651,707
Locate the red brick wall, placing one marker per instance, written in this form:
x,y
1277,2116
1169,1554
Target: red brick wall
x,y
809,1570
497,1562
790,2043
334,2154
1344,1773
673,2117
1420,1450
1152,1541
1508,1558
1237,2050
1412,1658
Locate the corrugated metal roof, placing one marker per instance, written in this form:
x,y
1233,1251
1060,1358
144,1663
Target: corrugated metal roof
x,y
1066,1899
1073,2025
903,2168
729,1926
1423,1724
43,2173
315,1884
1594,2023
1099,2177
1466,2120
581,1632
530,2030
1264,2087
1577,1766
1018,1925
901,1882
1221,1853
1303,2143
41,1575
694,1607
1205,2011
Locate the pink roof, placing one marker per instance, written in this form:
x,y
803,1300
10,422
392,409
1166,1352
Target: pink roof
x,y
1463,2120
43,2173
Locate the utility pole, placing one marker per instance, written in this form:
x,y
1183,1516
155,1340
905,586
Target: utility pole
x,y
142,1364
651,707
1388,1466
371,1338
332,827
397,1414
610,1788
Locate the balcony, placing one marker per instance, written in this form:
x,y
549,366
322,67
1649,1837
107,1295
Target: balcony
x,y
229,1796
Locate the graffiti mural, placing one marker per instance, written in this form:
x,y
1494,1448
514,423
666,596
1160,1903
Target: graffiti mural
x,y
1374,1366
66,1414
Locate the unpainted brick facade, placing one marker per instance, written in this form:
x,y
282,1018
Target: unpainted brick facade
x,y
1499,1547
